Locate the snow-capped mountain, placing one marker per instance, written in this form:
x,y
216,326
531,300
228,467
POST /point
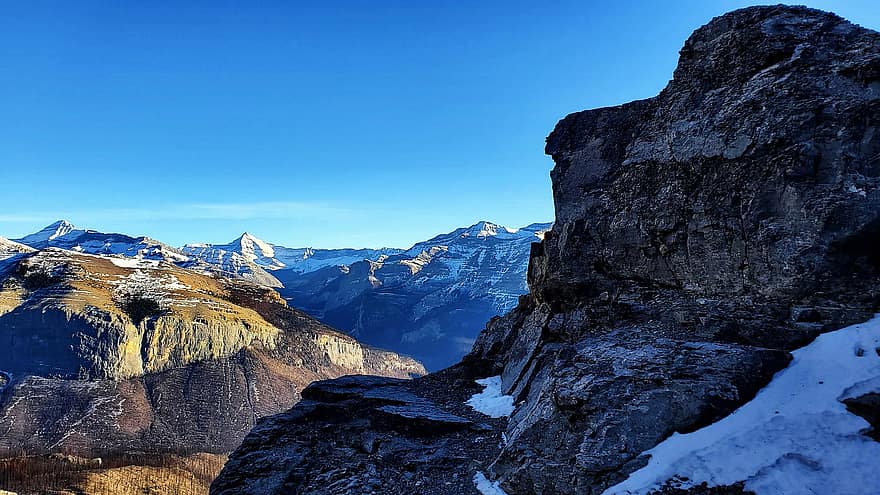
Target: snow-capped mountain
x,y
250,249
429,301
50,233
64,235
238,263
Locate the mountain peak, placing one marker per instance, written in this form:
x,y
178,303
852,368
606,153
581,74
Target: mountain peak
x,y
59,228
485,228
253,247
48,233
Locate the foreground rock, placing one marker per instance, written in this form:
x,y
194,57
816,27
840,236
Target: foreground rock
x,y
108,355
370,435
699,236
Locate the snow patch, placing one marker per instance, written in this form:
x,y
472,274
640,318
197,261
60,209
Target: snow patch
x,y
134,262
486,486
857,190
492,401
794,437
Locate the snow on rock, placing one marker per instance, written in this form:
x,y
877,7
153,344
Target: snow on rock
x,y
486,486
491,401
794,437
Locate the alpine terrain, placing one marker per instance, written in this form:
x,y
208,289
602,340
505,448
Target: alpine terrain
x,y
107,356
429,301
700,237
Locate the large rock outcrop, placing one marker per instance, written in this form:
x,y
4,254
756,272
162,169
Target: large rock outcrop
x,y
699,236
111,355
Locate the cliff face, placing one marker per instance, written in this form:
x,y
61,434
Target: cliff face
x,y
736,212
114,355
699,236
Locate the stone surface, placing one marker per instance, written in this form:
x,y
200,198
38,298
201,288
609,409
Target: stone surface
x,y
699,236
868,407
369,435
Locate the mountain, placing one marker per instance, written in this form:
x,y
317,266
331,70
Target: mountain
x,y
253,258
107,355
247,257
700,236
49,234
429,301
64,235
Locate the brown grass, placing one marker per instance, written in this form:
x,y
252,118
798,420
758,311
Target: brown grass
x,y
125,474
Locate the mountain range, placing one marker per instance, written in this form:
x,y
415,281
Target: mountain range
x,y
428,301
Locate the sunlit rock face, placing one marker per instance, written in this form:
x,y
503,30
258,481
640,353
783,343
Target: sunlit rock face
x,y
116,354
700,235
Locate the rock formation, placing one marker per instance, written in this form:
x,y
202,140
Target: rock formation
x,y
109,354
699,236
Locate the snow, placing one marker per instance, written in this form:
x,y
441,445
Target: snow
x,y
794,437
491,401
857,190
486,486
133,262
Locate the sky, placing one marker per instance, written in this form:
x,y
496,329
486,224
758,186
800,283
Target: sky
x,y
325,124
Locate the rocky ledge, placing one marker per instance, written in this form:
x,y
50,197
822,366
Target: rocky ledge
x,y
700,235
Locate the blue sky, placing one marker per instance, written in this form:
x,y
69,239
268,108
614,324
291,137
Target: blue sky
x,y
362,123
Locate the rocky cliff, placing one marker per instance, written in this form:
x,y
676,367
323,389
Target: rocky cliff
x,y
112,354
699,236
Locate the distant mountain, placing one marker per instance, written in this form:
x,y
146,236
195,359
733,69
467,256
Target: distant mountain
x,y
429,301
247,257
64,235
112,354
248,252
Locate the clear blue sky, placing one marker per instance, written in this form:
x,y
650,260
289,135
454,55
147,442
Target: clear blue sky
x,y
330,124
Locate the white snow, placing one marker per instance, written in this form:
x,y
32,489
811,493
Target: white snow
x,y
133,262
486,486
857,190
794,437
491,401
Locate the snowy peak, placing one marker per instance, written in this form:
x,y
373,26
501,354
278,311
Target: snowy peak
x,y
485,229
49,233
59,228
253,248
482,231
